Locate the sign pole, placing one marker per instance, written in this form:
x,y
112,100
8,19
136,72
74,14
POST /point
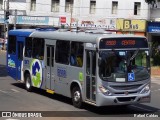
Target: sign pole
x,y
15,18
7,21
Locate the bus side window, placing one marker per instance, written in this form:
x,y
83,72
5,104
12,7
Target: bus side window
x,y
12,45
38,48
76,54
28,47
62,52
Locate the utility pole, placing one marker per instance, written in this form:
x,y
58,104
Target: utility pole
x,y
7,18
4,19
15,18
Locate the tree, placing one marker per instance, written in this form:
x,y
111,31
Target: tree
x,y
152,1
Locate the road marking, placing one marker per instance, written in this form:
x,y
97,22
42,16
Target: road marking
x,y
141,108
155,90
11,119
14,90
3,91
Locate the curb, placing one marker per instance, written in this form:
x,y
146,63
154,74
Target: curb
x,y
155,76
2,50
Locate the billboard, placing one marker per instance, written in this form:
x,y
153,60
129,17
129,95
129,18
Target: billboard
x,y
131,25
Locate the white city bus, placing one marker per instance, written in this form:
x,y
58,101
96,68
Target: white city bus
x,y
98,69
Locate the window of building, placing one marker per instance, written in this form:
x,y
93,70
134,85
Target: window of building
x,y
76,56
55,6
137,6
62,52
114,7
92,7
69,5
12,45
1,4
33,5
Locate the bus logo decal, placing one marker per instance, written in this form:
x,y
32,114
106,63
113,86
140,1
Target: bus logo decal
x,y
61,72
80,76
11,63
36,70
131,77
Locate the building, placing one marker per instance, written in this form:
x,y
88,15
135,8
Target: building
x,y
82,13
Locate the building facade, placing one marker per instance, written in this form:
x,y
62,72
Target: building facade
x,y
82,13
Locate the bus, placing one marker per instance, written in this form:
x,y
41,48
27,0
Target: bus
x,y
98,69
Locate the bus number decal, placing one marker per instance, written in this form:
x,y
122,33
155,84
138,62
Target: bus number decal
x,y
26,62
128,42
111,42
61,72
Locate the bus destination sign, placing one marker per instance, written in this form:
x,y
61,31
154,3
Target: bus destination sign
x,y
123,43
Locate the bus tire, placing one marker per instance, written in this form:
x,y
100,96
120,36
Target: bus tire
x,y
76,97
28,83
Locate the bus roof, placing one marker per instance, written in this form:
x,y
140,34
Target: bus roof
x,y
21,32
80,36
27,32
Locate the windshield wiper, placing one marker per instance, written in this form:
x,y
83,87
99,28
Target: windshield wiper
x,y
133,56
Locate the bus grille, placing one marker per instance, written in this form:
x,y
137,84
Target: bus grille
x,y
127,87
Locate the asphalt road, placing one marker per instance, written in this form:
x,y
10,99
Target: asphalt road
x,y
14,97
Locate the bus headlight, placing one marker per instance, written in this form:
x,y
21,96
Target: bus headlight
x,y
105,91
145,89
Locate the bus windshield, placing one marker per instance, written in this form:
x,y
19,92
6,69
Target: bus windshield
x,y
116,64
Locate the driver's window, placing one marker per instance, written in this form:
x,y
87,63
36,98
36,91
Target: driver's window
x,y
108,63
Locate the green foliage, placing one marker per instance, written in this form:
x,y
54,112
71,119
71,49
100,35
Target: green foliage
x,y
150,1
156,53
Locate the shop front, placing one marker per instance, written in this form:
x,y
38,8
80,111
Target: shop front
x,y
153,33
128,26
26,22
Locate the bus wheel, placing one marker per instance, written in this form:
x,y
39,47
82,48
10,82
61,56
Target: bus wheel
x,y
77,97
28,83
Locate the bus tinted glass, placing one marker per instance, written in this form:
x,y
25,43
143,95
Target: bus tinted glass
x,y
12,45
123,43
62,52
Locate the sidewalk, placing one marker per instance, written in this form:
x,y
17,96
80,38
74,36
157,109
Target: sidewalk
x,y
2,50
155,72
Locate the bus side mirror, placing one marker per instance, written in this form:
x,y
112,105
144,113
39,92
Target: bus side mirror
x,y
99,61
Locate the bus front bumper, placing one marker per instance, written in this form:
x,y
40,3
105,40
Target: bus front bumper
x,y
103,100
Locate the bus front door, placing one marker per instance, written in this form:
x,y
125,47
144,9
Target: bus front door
x,y
49,67
90,82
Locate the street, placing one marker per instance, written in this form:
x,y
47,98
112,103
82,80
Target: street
x,y
14,97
